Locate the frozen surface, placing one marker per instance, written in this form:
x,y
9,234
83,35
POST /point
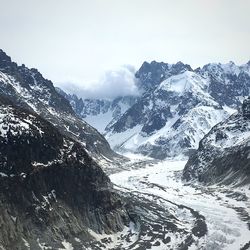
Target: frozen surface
x,y
226,213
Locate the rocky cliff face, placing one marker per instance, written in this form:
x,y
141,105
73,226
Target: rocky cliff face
x,y
223,154
29,89
51,191
227,83
150,75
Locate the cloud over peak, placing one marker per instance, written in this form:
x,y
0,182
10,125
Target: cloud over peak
x,y
111,84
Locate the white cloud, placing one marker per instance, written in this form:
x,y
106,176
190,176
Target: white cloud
x,y
112,84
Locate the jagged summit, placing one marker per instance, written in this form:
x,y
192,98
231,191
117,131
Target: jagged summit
x,y
5,61
151,74
27,88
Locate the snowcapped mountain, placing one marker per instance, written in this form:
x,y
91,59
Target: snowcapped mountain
x,y
152,74
50,188
27,88
100,113
173,116
177,107
223,154
169,121
228,83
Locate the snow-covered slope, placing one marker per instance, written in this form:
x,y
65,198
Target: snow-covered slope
x,y
228,83
150,75
99,113
185,82
169,121
223,154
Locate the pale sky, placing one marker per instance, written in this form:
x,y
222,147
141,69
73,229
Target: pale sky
x,y
78,40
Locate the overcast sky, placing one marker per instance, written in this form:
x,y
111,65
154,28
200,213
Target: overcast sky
x,y
78,40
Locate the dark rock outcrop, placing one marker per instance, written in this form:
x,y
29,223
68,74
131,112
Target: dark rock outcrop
x,y
150,75
227,82
246,108
51,191
223,154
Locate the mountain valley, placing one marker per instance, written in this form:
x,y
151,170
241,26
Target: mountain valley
x,y
165,169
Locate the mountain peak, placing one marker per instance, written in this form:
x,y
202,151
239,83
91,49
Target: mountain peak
x,y
150,75
3,53
181,67
179,63
5,60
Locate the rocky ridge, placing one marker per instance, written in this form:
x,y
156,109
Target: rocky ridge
x,y
27,88
223,154
52,192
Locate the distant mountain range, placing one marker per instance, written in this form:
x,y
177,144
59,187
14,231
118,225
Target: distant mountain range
x,y
178,106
